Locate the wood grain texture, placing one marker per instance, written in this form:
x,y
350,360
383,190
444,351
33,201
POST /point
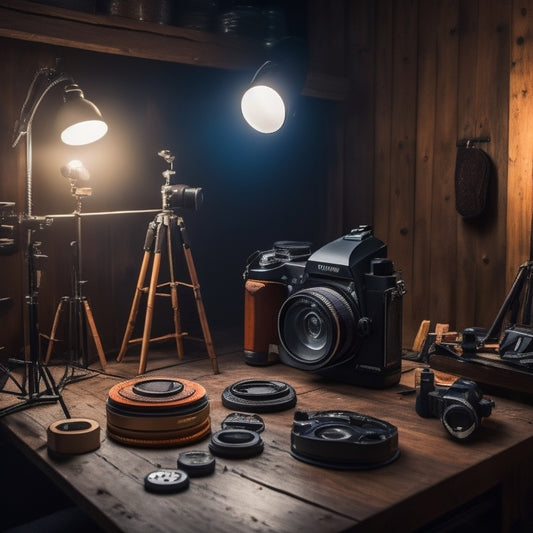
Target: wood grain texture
x,y
273,491
520,177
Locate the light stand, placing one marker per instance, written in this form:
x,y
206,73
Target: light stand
x,y
30,391
36,373
80,313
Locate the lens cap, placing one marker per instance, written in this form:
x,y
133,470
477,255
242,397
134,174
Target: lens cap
x,y
166,481
196,463
236,443
343,440
244,421
157,388
259,396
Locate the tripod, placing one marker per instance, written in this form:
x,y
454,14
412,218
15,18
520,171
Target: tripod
x,y
35,372
167,226
80,313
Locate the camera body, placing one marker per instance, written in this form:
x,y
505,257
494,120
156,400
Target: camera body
x,y
460,406
337,311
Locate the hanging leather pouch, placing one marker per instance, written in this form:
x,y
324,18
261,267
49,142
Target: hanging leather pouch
x,y
472,176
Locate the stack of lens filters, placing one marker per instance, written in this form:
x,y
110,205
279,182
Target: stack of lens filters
x,y
157,412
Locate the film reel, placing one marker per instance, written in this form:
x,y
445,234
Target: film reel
x,y
157,412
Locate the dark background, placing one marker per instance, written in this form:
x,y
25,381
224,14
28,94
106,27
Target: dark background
x,y
257,188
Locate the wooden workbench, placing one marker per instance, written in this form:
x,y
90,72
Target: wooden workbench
x,y
273,491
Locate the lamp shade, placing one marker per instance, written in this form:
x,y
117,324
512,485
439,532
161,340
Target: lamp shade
x,y
79,120
262,105
275,87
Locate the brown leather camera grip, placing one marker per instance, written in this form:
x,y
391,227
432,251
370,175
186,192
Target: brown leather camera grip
x,y
262,301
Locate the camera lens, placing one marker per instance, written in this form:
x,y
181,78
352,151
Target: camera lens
x,y
184,196
459,420
316,325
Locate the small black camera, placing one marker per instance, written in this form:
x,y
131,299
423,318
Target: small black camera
x,y
337,311
182,196
179,195
460,406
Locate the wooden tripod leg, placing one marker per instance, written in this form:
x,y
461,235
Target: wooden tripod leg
x,y
135,306
174,297
53,332
149,311
177,318
201,309
94,333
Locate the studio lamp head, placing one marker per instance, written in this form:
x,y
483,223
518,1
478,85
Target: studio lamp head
x,y
275,86
79,120
76,173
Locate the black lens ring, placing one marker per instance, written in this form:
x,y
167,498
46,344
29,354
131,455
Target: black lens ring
x,y
246,395
236,443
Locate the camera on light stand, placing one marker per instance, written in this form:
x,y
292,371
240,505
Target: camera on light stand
x,y
80,313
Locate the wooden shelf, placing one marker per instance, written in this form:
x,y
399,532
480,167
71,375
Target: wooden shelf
x,y
127,37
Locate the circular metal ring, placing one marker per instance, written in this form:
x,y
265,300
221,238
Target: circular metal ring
x,y
259,396
236,443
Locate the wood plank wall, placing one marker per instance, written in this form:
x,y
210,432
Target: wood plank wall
x,y
443,70
423,74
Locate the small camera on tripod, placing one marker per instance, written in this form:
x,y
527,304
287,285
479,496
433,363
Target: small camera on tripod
x,y
177,195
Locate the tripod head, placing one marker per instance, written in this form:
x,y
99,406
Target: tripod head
x,y
176,196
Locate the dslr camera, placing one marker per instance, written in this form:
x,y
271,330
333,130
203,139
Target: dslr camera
x,y
460,406
337,311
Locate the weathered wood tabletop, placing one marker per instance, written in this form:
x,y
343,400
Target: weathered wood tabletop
x,y
274,491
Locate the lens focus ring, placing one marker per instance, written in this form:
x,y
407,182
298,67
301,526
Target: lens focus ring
x,y
316,325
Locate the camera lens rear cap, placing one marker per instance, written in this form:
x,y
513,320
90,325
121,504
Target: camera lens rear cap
x,y
259,396
236,443
166,481
196,463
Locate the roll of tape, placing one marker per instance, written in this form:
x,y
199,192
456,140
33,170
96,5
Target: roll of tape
x,y
73,436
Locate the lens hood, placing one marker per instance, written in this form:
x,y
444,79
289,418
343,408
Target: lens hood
x,y
343,440
259,396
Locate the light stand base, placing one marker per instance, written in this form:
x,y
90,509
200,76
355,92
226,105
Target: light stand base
x,y
29,393
82,311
